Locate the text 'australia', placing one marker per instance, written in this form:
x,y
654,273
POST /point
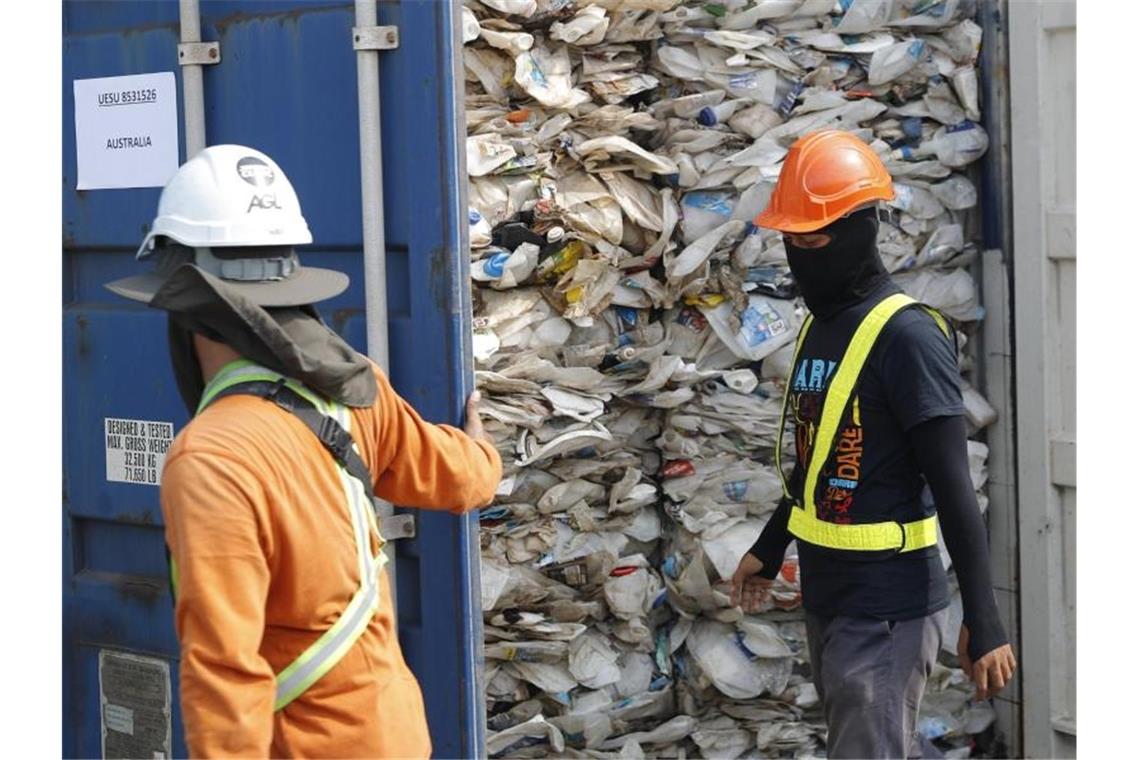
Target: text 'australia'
x,y
121,143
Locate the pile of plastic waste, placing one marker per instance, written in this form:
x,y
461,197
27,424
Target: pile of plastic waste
x,y
633,331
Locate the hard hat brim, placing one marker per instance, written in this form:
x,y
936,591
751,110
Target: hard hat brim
x,y
772,220
306,286
785,223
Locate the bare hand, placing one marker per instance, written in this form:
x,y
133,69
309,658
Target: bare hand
x,y
474,425
749,590
991,672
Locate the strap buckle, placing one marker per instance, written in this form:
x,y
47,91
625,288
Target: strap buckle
x,y
335,438
902,544
276,396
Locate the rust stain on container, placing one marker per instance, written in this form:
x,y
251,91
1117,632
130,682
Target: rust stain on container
x,y
83,344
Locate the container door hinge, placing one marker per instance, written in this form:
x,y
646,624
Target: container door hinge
x,y
375,37
199,53
398,526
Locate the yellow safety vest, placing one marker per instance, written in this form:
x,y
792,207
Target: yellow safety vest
x,y
326,651
804,522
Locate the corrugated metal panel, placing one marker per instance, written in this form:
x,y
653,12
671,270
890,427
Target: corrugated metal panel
x,y
1043,117
287,85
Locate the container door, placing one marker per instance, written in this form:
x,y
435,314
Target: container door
x,y
286,84
1042,70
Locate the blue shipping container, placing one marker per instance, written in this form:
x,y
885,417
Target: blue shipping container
x,y
286,84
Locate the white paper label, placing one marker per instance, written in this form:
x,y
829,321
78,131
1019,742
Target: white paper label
x,y
136,449
121,719
126,131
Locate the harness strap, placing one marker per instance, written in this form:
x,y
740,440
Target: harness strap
x,y
804,522
321,417
328,431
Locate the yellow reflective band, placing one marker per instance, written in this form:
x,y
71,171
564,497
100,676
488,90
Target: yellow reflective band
x,y
364,510
334,643
804,522
784,407
354,496
842,385
938,318
880,536
245,371
323,654
326,651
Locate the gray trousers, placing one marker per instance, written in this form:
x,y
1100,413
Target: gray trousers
x,y
870,675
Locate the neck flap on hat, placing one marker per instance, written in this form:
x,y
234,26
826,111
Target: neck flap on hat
x,y
843,272
291,340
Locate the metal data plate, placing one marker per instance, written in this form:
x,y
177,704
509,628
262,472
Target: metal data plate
x,y
134,698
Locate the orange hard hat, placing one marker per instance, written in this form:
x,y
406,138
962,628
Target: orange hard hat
x,y
826,175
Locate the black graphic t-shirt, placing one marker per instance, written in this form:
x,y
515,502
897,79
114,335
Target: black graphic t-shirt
x,y
911,376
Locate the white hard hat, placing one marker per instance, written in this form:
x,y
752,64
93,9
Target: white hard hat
x,y
232,214
228,196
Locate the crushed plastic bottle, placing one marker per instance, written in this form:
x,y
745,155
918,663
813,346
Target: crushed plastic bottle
x,y
953,146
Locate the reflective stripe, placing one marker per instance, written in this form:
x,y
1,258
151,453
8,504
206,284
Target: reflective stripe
x,y
353,493
356,490
936,315
879,536
242,371
784,407
326,651
804,522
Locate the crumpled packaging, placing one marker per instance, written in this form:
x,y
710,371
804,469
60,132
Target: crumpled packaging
x,y
633,331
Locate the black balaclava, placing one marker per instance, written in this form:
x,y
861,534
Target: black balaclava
x,y
843,272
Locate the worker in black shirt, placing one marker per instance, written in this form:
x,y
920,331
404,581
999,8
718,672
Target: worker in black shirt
x,y
877,414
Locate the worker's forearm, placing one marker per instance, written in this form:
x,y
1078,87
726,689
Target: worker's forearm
x,y
773,541
431,466
940,447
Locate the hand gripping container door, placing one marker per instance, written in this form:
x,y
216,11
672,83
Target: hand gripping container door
x,y
286,84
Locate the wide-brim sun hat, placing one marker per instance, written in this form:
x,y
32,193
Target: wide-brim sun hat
x,y
231,211
288,283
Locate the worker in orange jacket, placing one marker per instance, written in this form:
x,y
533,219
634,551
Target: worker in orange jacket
x,y
285,623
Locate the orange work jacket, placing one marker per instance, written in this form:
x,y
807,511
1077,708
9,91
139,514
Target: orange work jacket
x,y
260,530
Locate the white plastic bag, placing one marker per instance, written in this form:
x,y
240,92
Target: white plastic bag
x,y
890,63
593,661
546,77
737,672
765,326
697,252
485,153
862,16
702,211
523,734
